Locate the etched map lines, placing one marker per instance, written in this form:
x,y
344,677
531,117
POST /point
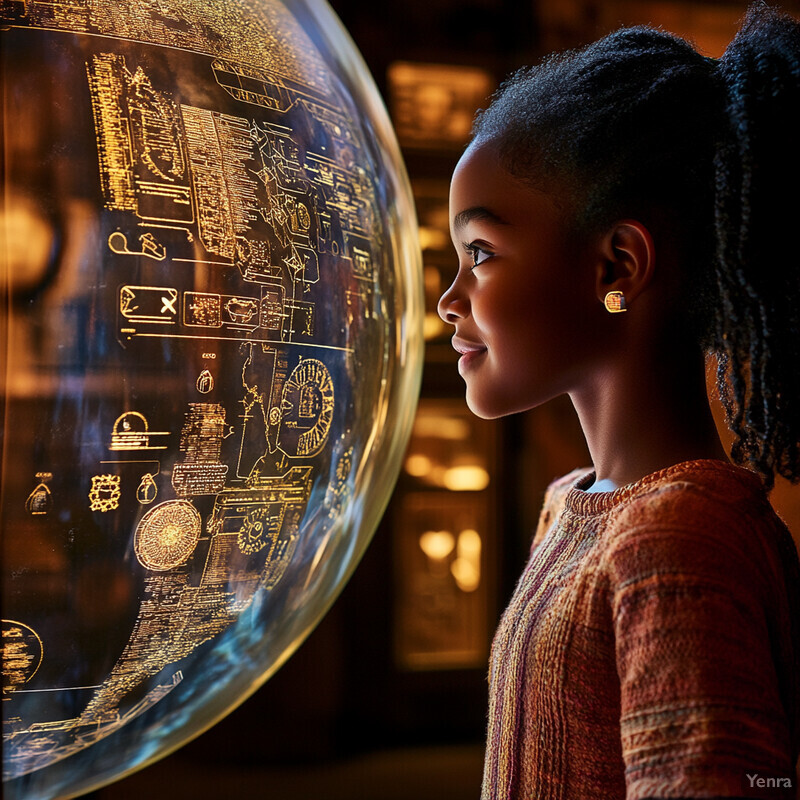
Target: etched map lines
x,y
106,83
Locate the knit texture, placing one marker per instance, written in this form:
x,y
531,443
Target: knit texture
x,y
651,646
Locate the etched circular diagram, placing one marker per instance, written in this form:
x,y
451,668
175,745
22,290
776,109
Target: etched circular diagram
x,y
22,653
167,535
306,409
258,529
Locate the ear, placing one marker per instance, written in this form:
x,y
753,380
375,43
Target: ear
x,y
626,261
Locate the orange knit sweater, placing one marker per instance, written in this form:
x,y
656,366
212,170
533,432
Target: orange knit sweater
x,y
649,649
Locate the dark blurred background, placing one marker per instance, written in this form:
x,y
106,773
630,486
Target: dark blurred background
x,y
386,699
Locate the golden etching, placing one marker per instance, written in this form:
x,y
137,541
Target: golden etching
x,y
139,143
255,199
105,493
205,382
241,309
201,471
147,490
301,318
149,304
257,530
338,485
175,616
250,85
167,535
266,513
40,500
106,82
220,148
202,309
22,653
131,431
246,32
150,247
280,558
256,425
306,409
241,211
272,308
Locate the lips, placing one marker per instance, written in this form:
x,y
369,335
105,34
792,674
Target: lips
x,y
466,347
470,351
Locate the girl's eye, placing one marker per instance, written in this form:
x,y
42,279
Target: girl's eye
x,y
479,255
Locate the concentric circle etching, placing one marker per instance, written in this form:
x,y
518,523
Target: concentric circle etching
x,y
167,535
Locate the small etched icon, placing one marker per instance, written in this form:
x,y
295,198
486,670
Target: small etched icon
x,y
167,535
105,493
22,651
254,533
152,304
40,500
205,382
241,309
147,490
132,432
151,247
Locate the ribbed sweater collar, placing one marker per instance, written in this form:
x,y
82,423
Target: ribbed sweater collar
x,y
583,503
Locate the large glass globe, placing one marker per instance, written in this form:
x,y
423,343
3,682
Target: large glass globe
x,y
211,323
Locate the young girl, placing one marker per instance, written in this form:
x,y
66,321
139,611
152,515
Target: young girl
x,y
621,211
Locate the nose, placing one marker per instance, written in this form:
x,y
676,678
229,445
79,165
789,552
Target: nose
x,y
453,304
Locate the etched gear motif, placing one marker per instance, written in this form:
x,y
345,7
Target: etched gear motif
x,y
167,535
256,532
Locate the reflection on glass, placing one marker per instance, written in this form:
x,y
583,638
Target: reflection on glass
x,y
209,257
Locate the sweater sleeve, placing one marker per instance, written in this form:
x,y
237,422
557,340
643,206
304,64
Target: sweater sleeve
x,y
701,710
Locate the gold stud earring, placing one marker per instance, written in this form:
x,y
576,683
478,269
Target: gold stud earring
x,y
615,303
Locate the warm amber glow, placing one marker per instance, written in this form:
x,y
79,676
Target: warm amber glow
x,y
418,465
466,478
436,426
437,545
466,568
432,326
431,238
469,544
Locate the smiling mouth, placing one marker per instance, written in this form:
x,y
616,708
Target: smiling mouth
x,y
467,348
470,351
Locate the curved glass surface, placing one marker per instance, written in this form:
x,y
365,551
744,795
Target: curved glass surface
x,y
212,347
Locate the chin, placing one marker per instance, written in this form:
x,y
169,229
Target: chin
x,y
487,410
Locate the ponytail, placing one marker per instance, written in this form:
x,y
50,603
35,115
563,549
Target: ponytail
x,y
757,264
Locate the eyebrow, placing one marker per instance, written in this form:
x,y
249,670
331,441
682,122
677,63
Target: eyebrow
x,y
463,218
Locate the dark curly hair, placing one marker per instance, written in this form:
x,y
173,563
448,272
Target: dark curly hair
x,y
639,124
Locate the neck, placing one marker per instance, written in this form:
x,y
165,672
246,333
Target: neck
x,y
643,414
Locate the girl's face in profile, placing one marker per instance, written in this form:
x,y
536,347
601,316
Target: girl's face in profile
x,y
523,299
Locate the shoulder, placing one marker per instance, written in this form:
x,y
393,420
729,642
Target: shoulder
x,y
707,520
708,497
692,489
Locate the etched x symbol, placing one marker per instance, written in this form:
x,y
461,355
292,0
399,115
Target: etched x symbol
x,y
168,304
